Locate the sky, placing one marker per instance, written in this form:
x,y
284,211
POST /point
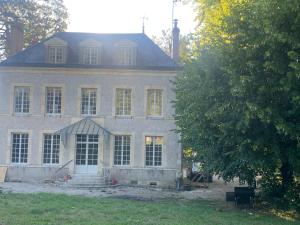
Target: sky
x,y
125,16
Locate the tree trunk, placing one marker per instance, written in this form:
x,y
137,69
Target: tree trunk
x,y
287,175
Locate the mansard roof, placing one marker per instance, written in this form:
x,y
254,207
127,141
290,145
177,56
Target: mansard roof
x,y
149,55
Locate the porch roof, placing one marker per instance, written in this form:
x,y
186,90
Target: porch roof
x,y
84,126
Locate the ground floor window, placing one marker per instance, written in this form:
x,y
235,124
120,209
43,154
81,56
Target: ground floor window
x,y
153,150
122,150
19,148
51,148
87,149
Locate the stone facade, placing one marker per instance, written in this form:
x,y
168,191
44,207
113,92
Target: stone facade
x,y
105,80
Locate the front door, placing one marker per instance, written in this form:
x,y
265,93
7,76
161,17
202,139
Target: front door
x,y
86,153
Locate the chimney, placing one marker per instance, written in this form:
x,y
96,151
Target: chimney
x,y
15,38
175,42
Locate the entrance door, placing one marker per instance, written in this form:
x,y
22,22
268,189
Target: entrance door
x,y
86,153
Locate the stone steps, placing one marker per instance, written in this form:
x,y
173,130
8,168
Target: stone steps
x,y
87,181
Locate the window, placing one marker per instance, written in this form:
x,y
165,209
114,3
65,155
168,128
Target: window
x,y
22,101
51,148
53,100
91,55
123,102
154,102
127,55
19,151
88,101
56,54
122,150
87,149
153,150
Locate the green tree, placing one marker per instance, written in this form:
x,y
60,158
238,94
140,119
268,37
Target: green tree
x,y
164,41
238,104
40,19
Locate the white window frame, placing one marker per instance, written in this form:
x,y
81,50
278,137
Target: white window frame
x,y
153,150
87,57
89,90
53,108
122,150
54,58
23,99
19,149
156,102
123,102
51,148
127,55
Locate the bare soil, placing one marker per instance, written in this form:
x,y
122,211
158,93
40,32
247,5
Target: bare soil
x,y
209,191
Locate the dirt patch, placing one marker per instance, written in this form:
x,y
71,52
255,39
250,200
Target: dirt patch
x,y
214,191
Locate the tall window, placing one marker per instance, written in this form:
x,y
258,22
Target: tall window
x,y
88,101
153,150
19,151
56,54
53,100
91,55
51,148
87,149
123,102
127,55
154,102
22,100
122,150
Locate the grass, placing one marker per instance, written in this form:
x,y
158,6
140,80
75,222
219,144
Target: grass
x,y
46,209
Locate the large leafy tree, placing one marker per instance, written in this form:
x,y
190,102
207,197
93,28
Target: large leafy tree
x,y
238,104
40,19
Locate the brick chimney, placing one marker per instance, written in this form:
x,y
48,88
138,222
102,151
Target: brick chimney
x,y
175,42
15,38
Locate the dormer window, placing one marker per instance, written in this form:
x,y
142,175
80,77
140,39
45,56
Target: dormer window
x,y
91,55
56,54
90,52
127,53
56,51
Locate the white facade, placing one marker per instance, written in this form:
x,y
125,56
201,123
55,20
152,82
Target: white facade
x,y
105,82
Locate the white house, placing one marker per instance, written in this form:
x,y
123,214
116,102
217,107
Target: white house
x,y
95,104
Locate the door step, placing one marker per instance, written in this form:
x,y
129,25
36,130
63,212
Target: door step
x,y
87,181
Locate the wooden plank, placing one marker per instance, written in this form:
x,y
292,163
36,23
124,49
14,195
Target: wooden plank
x,y
3,170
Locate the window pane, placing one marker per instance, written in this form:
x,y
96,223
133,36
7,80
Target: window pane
x,y
154,102
21,103
19,152
51,148
88,101
153,151
123,102
53,100
122,150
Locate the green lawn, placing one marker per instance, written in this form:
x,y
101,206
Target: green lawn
x,y
43,209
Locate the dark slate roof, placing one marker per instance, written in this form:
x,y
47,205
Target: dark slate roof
x,y
149,55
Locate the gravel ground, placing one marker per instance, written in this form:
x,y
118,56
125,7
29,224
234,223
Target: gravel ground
x,y
214,191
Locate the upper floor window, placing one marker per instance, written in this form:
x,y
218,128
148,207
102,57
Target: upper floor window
x,y
154,102
123,102
56,49
127,53
53,100
22,99
56,54
19,151
91,55
88,101
122,150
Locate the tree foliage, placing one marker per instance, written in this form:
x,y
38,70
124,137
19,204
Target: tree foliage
x,y
238,104
164,41
40,18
